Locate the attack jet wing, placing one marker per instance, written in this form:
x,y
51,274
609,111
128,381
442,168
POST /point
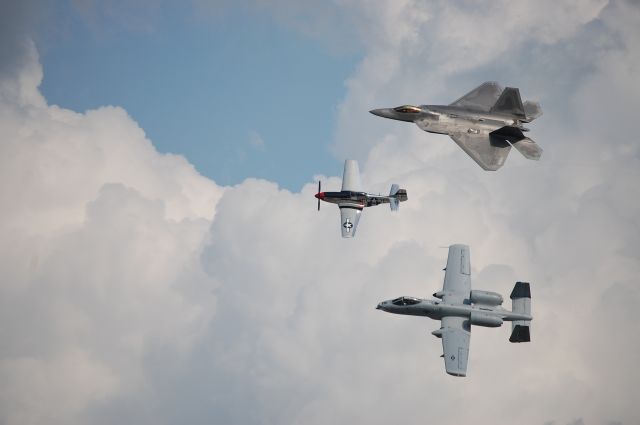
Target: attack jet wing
x,y
456,331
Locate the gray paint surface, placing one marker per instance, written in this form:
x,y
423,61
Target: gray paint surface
x,y
485,123
458,307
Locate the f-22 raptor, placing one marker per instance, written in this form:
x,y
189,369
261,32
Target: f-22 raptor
x,y
485,123
351,199
458,307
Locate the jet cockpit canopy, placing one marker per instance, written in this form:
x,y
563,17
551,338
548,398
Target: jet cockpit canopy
x,y
402,301
408,109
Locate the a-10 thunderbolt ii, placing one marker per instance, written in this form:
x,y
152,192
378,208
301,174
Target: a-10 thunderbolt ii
x,y
351,199
485,123
458,307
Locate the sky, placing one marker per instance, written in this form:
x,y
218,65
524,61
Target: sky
x,y
245,95
162,260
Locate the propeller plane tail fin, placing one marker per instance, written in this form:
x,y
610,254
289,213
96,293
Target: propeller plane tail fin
x,y
396,195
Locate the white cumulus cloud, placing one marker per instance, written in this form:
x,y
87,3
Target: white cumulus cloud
x,y
134,290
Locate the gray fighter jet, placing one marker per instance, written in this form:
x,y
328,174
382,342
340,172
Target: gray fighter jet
x,y
351,200
458,307
485,123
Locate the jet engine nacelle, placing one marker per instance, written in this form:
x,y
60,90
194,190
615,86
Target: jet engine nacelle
x,y
486,297
486,320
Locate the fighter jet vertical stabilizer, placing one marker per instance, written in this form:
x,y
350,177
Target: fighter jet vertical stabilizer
x,y
509,103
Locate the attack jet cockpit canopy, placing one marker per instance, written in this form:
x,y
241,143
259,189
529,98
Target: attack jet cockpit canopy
x,y
405,301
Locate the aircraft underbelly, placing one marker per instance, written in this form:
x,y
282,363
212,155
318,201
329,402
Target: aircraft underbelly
x,y
446,124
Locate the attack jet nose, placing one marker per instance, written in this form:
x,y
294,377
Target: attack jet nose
x,y
379,307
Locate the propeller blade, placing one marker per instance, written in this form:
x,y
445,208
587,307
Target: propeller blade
x,y
319,188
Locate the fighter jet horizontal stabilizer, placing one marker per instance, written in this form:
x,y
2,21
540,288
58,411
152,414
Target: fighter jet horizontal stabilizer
x,y
532,110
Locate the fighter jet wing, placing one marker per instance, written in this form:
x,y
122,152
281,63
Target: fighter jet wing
x,y
482,98
456,335
489,153
349,217
457,277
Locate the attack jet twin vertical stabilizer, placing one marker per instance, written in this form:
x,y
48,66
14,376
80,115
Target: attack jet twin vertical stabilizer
x,y
351,199
485,123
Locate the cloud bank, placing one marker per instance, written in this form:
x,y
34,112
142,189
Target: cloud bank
x,y
135,290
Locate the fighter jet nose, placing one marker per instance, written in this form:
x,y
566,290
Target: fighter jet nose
x,y
406,113
388,113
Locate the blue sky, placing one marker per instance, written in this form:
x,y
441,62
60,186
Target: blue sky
x,y
238,95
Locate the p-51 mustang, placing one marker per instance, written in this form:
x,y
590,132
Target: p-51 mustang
x,y
485,123
351,200
458,307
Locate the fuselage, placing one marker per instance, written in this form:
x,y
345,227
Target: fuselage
x,y
437,309
355,199
446,119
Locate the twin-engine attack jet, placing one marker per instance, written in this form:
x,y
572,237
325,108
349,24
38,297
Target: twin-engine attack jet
x,y
459,307
485,123
351,200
